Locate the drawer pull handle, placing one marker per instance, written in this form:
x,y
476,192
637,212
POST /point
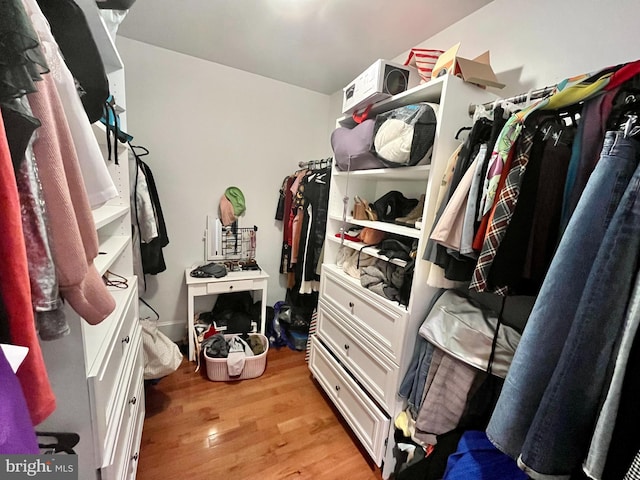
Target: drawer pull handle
x,y
346,346
230,287
337,388
351,305
133,400
134,457
126,339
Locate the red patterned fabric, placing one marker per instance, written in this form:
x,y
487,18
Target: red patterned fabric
x,y
478,240
502,214
16,292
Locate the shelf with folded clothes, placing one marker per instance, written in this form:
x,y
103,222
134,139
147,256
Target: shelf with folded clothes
x,y
426,92
355,284
371,250
383,227
417,173
109,251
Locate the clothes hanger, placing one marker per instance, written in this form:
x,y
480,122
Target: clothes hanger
x,y
626,101
630,127
626,107
145,151
571,114
64,442
463,129
480,112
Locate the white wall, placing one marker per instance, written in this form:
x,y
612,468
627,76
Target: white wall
x,y
209,127
535,44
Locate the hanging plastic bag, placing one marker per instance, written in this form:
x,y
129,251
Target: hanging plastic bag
x,y
161,355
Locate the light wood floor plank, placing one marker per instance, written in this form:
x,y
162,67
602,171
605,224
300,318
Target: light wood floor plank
x,y
277,426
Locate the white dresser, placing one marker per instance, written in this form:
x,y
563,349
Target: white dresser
x,y
364,342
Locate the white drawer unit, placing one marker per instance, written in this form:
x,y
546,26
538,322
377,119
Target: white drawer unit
x,y
111,375
129,428
134,452
98,397
364,337
373,370
127,397
368,422
381,321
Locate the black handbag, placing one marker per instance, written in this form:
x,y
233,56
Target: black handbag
x,y
393,205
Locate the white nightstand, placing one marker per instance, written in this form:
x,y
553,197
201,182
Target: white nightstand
x,y
254,281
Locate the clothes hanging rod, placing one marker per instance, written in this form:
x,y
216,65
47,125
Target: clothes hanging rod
x,y
313,163
523,97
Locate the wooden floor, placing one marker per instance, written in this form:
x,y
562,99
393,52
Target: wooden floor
x,y
277,426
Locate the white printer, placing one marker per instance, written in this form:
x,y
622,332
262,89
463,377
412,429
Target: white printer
x,y
381,80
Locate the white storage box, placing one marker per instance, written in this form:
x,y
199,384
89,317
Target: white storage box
x,y
381,80
253,366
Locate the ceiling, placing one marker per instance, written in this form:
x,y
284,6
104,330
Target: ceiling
x,y
320,45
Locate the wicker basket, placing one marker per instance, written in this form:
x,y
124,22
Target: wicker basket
x,y
253,366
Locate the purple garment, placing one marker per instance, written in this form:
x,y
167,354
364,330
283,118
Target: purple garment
x,y
17,435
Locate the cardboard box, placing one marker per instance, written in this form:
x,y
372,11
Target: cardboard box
x,y
477,71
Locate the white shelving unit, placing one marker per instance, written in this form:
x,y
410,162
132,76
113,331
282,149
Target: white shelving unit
x,y
364,342
426,92
111,250
418,173
97,370
382,226
106,214
370,250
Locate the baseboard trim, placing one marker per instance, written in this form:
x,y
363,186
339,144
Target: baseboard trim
x,y
176,331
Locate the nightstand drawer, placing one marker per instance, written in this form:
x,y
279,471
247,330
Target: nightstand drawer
x,y
381,321
368,422
373,370
230,286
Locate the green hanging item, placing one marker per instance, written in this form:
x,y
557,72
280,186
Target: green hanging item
x,y
236,197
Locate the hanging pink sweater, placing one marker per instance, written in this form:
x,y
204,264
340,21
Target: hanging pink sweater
x,y
74,241
16,292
